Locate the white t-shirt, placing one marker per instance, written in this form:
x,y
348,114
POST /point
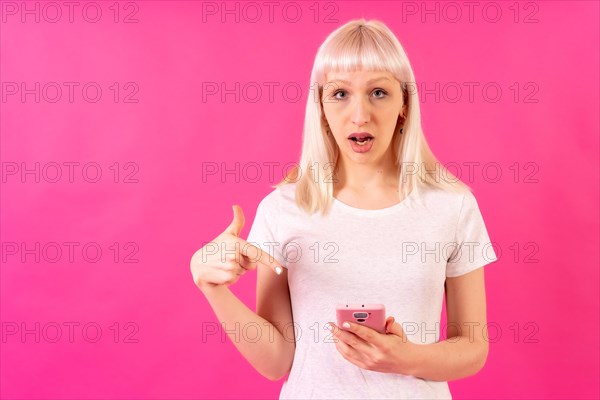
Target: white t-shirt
x,y
397,256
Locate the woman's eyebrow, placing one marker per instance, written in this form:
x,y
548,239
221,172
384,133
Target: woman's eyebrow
x,y
368,82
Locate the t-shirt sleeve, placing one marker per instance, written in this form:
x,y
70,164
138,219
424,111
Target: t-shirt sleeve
x,y
472,247
263,233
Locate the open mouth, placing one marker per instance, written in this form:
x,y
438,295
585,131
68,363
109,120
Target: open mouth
x,y
361,141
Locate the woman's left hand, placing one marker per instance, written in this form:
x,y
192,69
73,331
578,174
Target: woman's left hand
x,y
369,349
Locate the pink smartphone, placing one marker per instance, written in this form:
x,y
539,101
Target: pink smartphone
x,y
371,315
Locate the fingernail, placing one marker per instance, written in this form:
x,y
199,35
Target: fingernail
x,y
278,270
346,325
329,327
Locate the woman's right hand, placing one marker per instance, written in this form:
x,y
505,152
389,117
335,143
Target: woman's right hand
x,y
227,257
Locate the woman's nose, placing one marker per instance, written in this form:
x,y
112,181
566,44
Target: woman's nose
x,y
360,112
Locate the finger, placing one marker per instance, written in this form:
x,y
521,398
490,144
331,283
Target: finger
x,y
225,277
388,324
231,267
256,254
349,352
247,263
352,340
396,329
236,225
369,335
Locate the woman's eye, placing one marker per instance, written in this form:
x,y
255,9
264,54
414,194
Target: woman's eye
x,y
380,90
383,94
336,93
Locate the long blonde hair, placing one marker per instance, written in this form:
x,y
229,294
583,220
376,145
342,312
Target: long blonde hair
x,y
368,45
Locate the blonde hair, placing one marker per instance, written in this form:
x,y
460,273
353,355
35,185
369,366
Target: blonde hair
x,y
368,45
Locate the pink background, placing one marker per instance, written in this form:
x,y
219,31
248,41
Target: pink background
x,y
542,293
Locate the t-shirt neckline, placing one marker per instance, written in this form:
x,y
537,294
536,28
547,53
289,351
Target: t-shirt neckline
x,y
380,211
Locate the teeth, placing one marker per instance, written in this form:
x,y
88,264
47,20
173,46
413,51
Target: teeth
x,y
363,142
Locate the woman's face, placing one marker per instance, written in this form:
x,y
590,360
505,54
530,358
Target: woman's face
x,y
365,102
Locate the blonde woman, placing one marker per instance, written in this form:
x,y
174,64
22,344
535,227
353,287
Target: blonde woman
x,y
368,216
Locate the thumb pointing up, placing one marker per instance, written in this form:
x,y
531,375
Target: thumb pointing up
x,y
238,221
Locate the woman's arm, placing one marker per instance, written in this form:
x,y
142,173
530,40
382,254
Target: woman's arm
x,y
465,350
272,354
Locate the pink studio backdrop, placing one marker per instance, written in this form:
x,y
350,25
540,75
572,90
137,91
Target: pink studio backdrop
x,y
113,174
